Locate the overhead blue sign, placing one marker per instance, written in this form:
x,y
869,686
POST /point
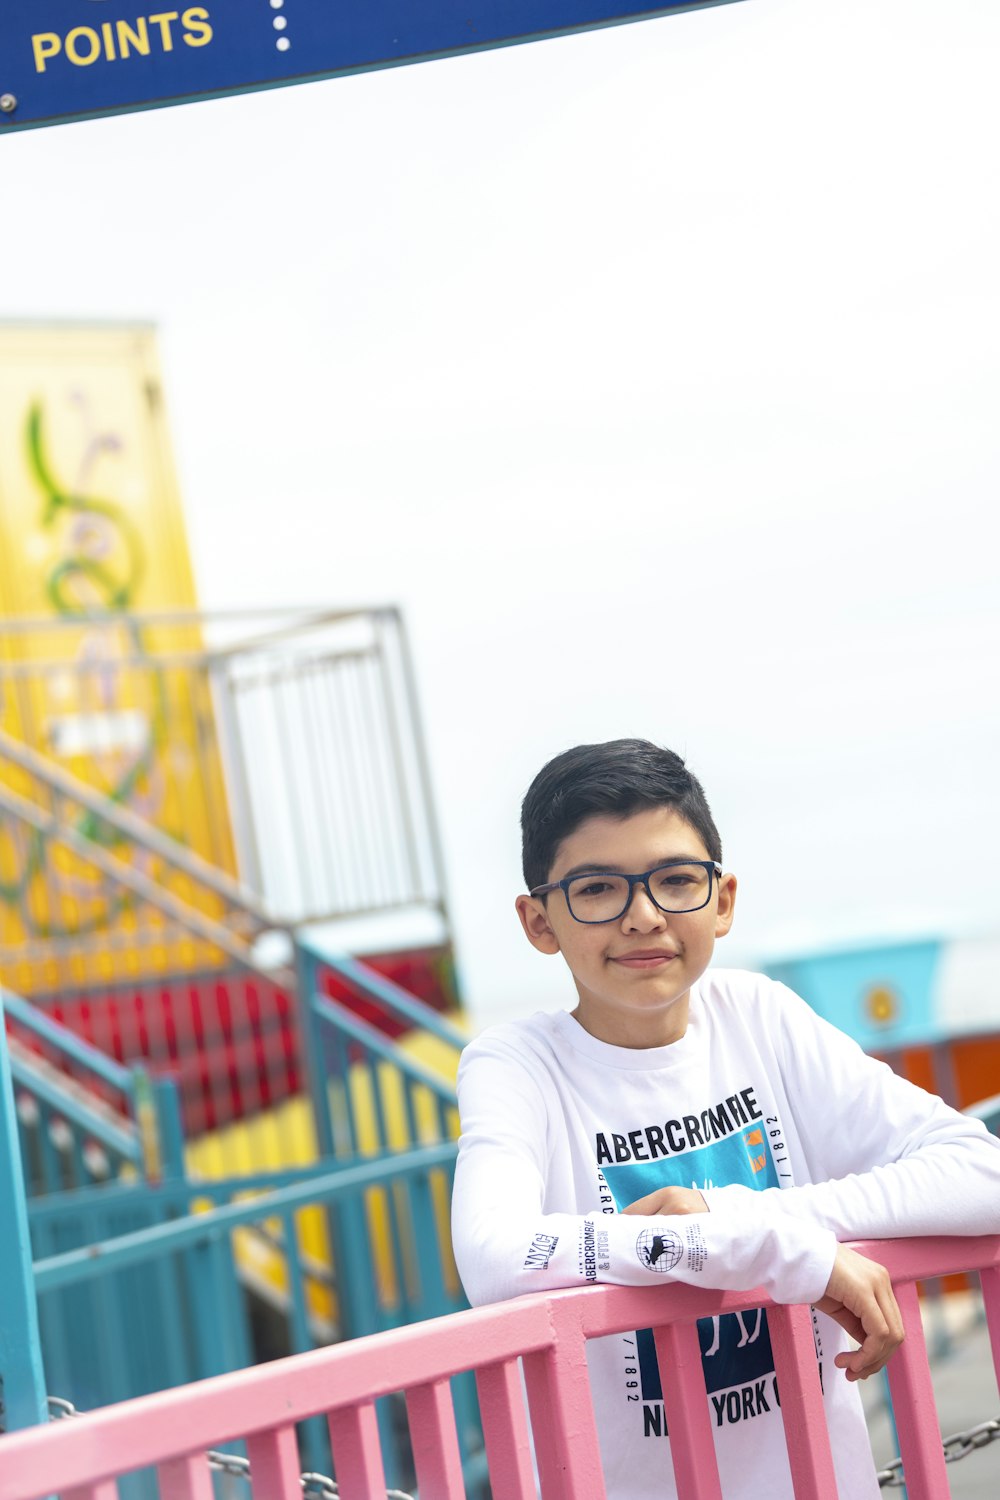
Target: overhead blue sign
x,y
70,59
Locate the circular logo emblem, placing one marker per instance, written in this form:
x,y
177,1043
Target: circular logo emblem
x,y
659,1249
882,1005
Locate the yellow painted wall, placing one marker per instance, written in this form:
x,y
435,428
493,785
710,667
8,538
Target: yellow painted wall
x,y
91,529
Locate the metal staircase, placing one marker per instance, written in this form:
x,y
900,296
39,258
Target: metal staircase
x,y
236,1136
151,1279
180,793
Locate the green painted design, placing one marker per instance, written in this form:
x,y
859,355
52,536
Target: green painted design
x,y
118,594
115,596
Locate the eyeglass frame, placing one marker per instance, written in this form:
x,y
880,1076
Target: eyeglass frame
x,y
711,865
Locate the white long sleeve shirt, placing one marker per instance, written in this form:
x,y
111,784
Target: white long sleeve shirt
x,y
796,1139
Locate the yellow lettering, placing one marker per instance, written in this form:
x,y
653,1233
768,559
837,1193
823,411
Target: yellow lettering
x,y
72,50
198,32
44,45
83,45
129,40
163,20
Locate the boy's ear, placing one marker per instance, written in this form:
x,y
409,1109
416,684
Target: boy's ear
x,y
535,921
727,905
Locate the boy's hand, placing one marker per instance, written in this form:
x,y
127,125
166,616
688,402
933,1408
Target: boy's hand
x,y
860,1298
669,1200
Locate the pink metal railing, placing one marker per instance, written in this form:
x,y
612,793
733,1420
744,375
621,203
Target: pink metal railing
x,y
80,1459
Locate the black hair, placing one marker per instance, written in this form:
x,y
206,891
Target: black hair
x,y
615,779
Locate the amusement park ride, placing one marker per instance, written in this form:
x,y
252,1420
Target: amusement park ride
x,y
231,1010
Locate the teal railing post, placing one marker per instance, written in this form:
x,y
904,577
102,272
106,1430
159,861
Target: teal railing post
x,y
307,965
169,1129
21,1367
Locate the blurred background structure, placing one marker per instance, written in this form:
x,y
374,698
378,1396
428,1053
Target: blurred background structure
x,y
639,383
225,942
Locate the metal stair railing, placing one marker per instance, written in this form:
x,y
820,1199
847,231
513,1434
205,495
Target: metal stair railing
x,y
370,1094
154,1291
302,750
301,746
184,915
83,1118
392,998
105,811
21,1368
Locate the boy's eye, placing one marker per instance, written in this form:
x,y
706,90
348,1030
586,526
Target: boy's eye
x,y
678,878
593,888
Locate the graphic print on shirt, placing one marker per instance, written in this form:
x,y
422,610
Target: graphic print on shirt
x,y
735,1348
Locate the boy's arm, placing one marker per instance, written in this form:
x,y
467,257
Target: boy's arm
x,y
505,1244
886,1159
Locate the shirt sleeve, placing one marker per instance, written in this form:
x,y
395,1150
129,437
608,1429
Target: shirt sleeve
x,y
506,1243
884,1158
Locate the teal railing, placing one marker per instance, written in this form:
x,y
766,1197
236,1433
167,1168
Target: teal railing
x,y
371,1093
152,1294
22,1376
987,1110
144,1284
71,1118
81,1117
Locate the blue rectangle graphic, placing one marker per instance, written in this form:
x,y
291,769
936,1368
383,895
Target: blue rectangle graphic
x,y
736,1348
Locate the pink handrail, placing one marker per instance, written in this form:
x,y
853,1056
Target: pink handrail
x,y
80,1459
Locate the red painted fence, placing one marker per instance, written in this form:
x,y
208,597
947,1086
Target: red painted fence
x,y
80,1459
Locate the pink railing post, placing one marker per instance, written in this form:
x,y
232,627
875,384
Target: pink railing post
x,y
914,1408
505,1431
357,1452
274,1465
685,1405
185,1478
562,1413
434,1439
807,1436
990,1280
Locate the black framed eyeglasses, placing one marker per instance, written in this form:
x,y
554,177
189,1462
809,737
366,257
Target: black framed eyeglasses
x,y
679,885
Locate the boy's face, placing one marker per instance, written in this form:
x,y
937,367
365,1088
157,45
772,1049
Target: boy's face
x,y
633,975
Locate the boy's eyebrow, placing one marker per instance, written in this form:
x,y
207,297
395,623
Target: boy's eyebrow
x,y
591,867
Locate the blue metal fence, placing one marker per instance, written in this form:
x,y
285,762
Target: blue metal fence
x,y
81,1117
136,1292
370,1093
21,1372
146,1279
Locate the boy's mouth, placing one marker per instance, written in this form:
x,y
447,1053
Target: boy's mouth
x,y
643,958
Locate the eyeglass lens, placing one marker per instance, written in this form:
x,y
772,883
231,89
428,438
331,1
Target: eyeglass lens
x,y
674,888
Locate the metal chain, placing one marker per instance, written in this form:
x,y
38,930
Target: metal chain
x,y
322,1487
314,1486
959,1445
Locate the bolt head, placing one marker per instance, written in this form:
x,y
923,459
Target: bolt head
x,y
8,103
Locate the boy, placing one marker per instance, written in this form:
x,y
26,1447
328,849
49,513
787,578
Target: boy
x,y
679,1124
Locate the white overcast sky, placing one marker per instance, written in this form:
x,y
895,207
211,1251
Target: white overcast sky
x,y
654,372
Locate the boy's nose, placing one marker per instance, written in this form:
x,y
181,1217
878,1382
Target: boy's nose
x,y
642,912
